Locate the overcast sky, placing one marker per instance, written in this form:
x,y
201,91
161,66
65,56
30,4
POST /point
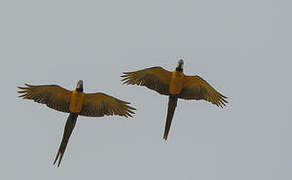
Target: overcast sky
x,y
242,48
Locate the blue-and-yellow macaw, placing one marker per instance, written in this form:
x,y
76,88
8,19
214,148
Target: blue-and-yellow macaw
x,y
75,103
175,85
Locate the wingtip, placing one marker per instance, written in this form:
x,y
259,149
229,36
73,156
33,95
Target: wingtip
x,y
21,92
125,83
21,96
132,108
125,74
22,88
130,113
125,80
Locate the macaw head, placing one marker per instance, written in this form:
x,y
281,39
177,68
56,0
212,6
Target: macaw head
x,y
180,65
79,86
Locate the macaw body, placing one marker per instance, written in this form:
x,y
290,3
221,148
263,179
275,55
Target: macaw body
x,y
75,103
176,82
176,85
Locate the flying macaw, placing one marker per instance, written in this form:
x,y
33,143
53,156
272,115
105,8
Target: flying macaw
x,y
175,85
75,103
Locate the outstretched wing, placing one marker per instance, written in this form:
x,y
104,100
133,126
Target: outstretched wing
x,y
194,87
53,96
99,104
155,78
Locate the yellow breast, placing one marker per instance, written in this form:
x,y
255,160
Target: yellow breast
x,y
76,102
176,82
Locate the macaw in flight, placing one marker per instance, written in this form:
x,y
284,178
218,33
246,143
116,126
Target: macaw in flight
x,y
75,103
175,85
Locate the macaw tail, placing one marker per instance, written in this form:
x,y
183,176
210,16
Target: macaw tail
x,y
171,108
70,124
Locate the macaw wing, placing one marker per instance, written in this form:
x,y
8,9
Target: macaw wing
x,y
155,78
194,87
53,96
99,104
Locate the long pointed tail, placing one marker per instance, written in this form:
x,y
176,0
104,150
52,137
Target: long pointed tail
x,y
70,124
171,108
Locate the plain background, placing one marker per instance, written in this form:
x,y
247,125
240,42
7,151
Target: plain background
x,y
242,48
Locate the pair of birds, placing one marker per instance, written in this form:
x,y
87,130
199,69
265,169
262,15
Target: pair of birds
x,y
173,84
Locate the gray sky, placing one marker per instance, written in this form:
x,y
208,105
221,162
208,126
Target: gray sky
x,y
242,48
